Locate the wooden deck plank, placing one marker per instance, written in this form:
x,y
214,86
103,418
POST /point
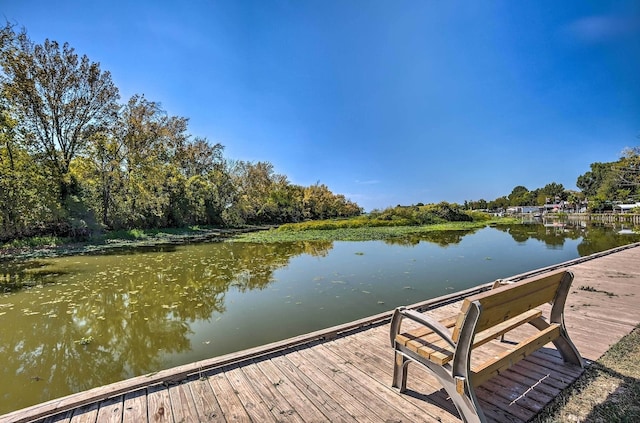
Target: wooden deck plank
x,y
86,414
135,406
159,404
518,412
378,370
569,371
422,388
516,394
361,388
60,418
543,374
205,400
380,387
182,404
277,404
529,379
288,391
230,404
581,325
252,401
497,414
313,392
377,350
355,408
110,410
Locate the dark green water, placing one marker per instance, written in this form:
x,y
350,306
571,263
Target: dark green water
x,y
92,320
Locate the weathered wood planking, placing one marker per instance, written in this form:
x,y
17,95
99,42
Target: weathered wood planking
x,y
205,400
135,407
344,374
230,404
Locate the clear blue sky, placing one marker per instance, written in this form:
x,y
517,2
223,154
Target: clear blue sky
x,y
386,102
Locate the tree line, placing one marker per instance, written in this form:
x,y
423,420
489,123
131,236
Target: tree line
x,y
601,187
73,159
612,182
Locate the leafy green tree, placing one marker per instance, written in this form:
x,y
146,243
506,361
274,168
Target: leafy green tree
x,y
147,139
614,181
253,183
499,203
592,180
627,171
70,155
521,196
555,192
59,100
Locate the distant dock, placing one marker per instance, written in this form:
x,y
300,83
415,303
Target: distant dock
x,y
343,374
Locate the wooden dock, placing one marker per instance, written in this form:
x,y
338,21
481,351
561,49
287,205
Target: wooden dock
x,y
343,374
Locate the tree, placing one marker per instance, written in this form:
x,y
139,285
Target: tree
x,y
520,196
591,181
614,181
69,152
27,203
627,169
555,192
500,203
198,158
59,100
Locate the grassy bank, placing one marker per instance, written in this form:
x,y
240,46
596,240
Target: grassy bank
x,y
608,390
342,231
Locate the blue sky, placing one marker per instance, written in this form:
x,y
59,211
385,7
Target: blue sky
x,y
386,102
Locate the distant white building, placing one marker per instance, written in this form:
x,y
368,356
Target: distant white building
x,y
524,210
622,208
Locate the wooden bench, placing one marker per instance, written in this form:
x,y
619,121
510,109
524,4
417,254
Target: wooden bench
x,y
445,347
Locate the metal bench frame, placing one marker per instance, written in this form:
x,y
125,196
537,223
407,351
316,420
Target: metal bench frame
x,y
484,317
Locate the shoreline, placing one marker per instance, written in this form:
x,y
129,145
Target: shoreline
x,y
104,245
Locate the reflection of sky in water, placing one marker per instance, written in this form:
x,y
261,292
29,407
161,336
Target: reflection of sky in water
x,y
153,310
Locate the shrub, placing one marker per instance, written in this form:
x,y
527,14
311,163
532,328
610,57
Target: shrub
x,y
478,216
448,212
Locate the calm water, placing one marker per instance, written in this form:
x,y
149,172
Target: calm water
x,y
93,320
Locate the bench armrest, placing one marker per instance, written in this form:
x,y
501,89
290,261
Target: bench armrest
x,y
437,327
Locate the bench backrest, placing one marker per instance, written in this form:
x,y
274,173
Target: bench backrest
x,y
507,301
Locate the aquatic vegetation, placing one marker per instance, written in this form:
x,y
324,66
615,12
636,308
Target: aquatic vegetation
x,y
86,340
342,232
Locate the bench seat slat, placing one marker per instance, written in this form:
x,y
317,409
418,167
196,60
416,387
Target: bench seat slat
x,y
439,352
488,369
430,346
424,332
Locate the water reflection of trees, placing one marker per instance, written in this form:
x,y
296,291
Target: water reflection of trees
x,y
553,235
21,274
594,238
137,308
441,238
600,238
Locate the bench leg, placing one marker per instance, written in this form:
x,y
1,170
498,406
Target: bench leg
x,y
568,350
466,401
400,372
467,404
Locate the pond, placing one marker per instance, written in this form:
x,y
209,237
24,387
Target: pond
x,y
96,319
